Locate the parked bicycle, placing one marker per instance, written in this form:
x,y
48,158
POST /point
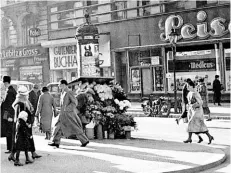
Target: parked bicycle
x,y
160,107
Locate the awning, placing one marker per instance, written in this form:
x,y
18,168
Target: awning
x,y
61,42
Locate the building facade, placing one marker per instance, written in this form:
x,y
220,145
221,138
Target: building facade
x,y
140,53
133,42
23,27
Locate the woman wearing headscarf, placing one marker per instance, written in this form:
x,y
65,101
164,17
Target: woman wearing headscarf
x,y
195,114
22,103
46,107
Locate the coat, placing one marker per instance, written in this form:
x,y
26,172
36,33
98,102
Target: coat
x,y
70,122
195,116
22,136
33,98
7,111
20,106
217,89
46,107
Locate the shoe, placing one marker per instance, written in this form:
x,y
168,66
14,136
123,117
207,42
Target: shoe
x,y
36,156
28,161
177,121
210,119
17,163
8,152
219,104
200,140
53,144
85,144
210,139
188,141
11,158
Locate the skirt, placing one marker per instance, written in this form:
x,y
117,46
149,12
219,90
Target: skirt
x,y
206,110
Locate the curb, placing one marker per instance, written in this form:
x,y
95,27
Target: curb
x,y
202,167
141,114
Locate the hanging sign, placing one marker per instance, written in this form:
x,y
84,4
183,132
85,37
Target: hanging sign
x,y
34,32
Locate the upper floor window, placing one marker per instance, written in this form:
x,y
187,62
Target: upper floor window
x,y
28,22
5,33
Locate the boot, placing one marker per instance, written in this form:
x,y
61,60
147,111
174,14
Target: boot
x,y
18,163
189,140
200,139
28,160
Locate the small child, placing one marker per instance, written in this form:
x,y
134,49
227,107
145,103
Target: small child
x,y
22,138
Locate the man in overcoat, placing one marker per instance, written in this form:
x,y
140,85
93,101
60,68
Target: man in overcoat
x,y
33,98
69,123
217,91
7,111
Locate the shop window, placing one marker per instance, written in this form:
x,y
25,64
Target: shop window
x,y
158,79
134,58
206,3
27,23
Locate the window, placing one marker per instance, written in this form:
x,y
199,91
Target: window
x,y
118,5
27,23
5,33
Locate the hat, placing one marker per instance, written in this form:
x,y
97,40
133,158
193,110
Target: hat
x,y
6,79
22,114
201,80
36,86
22,90
45,89
216,76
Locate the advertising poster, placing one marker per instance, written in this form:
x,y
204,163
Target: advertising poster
x,y
90,60
135,80
32,74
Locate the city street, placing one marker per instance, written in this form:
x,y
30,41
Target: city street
x,y
164,152
167,130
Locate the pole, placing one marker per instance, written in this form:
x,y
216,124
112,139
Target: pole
x,y
174,78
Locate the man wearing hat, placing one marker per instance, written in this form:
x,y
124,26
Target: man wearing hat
x,y
33,98
217,91
7,112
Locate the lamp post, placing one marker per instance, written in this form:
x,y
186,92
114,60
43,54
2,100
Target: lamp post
x,y
173,40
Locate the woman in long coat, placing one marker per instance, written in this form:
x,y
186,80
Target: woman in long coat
x,y
195,114
46,107
69,122
22,103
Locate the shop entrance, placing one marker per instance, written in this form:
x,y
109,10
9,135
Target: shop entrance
x,y
146,81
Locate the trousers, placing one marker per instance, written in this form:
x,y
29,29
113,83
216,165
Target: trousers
x,y
57,135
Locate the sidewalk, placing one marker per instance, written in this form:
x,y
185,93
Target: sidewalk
x,y
217,112
118,156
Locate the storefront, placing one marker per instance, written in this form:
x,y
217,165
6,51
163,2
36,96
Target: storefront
x,y
26,63
202,50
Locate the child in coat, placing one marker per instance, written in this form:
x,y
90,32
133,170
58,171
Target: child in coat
x,y
22,138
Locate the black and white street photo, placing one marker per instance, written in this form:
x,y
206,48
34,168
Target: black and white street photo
x,y
115,86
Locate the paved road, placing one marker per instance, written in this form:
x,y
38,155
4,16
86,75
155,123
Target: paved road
x,y
166,129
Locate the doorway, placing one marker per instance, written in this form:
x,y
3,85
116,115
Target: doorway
x,y
146,81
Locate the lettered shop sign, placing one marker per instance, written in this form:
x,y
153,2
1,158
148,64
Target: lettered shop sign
x,y
63,57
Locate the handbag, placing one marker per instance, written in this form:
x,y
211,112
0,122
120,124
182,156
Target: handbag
x,y
184,114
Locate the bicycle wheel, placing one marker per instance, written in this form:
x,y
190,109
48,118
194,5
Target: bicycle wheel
x,y
147,110
165,109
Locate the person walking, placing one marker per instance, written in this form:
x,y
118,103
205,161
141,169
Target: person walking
x,y
202,90
195,114
8,112
46,108
217,90
69,122
184,115
33,98
23,137
22,103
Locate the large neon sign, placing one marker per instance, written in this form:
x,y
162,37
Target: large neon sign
x,y
218,27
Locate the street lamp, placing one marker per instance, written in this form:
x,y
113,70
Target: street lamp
x,y
173,40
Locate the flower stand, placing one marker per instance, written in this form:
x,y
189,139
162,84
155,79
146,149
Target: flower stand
x,y
99,131
90,133
111,135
